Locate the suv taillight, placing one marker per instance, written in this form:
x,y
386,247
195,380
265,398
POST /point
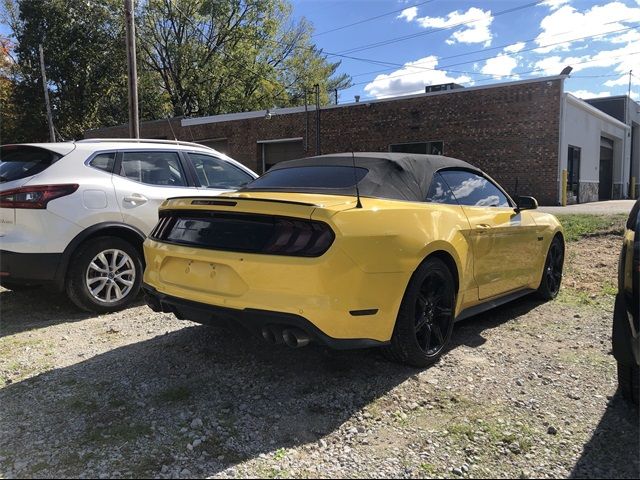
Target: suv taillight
x,y
36,196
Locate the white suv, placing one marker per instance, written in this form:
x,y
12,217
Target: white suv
x,y
75,214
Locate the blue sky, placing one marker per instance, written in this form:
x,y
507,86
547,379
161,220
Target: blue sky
x,y
486,46
531,40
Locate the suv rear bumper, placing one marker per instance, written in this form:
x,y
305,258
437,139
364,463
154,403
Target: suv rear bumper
x,y
26,268
253,320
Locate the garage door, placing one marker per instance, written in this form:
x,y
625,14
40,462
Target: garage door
x,y
219,144
279,151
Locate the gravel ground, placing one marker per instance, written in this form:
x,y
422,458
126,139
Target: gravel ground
x,y
528,390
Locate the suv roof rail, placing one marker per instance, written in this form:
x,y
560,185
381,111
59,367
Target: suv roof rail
x,y
143,140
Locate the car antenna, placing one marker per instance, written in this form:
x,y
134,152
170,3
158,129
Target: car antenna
x,y
355,177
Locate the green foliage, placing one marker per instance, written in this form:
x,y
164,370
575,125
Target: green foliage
x,y
227,56
577,226
195,57
7,104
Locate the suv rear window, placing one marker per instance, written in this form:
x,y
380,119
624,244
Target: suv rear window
x,y
319,177
21,161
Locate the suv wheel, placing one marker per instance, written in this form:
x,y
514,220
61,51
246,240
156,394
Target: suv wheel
x,y
105,275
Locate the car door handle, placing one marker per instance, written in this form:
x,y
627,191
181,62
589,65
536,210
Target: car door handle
x,y
135,199
482,227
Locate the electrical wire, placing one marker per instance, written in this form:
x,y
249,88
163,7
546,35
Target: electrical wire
x,y
371,18
436,30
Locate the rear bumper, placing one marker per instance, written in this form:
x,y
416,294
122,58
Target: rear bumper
x,y
253,320
26,268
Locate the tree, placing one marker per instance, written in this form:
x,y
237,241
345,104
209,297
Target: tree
x,y
84,50
7,106
219,56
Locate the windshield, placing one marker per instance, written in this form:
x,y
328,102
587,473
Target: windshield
x,y
21,161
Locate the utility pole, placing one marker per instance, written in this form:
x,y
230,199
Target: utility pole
x,y
134,124
317,89
630,75
52,132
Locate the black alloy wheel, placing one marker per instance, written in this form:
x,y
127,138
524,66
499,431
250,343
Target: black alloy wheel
x,y
552,274
425,320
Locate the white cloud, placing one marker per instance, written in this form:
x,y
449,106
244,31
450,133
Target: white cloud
x,y
567,24
409,14
500,66
515,48
619,60
623,81
411,79
554,4
476,31
587,94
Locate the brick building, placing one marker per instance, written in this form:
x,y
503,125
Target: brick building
x,y
514,131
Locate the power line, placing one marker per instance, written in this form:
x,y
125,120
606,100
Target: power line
x,y
529,72
435,30
446,68
371,18
509,44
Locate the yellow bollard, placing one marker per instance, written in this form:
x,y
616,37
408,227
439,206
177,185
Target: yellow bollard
x,y
564,187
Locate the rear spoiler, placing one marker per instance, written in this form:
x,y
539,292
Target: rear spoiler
x,y
232,201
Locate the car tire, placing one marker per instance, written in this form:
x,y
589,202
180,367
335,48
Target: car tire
x,y
629,382
105,275
552,272
425,320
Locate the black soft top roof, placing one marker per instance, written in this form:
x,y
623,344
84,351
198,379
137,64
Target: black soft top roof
x,y
401,176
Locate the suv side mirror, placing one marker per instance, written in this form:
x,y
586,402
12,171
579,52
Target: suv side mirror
x,y
527,203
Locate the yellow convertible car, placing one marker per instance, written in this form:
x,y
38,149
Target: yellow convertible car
x,y
353,250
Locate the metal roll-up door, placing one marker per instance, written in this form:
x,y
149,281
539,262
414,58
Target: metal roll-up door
x,y
276,152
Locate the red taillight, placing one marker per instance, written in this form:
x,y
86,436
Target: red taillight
x,y
36,196
299,238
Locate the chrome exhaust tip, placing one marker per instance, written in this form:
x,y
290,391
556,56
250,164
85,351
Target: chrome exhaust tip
x,y
295,338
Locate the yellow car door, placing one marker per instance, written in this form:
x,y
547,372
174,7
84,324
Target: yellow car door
x,y
503,239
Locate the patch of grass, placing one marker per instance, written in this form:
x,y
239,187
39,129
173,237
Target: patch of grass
x,y
8,345
592,358
428,469
174,394
577,226
280,454
81,405
118,432
609,288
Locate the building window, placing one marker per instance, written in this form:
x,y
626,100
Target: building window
x,y
573,170
431,148
219,144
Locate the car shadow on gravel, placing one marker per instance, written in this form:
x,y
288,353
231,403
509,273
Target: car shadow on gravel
x,y
469,331
619,426
38,308
137,408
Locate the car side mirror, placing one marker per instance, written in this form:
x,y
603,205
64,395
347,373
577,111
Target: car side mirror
x,y
527,203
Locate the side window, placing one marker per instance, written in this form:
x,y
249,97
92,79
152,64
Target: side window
x,y
153,168
213,172
439,191
473,190
104,161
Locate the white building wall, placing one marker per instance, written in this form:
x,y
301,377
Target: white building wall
x,y
582,127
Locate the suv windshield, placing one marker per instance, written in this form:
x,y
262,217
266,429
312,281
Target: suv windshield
x,y
21,161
